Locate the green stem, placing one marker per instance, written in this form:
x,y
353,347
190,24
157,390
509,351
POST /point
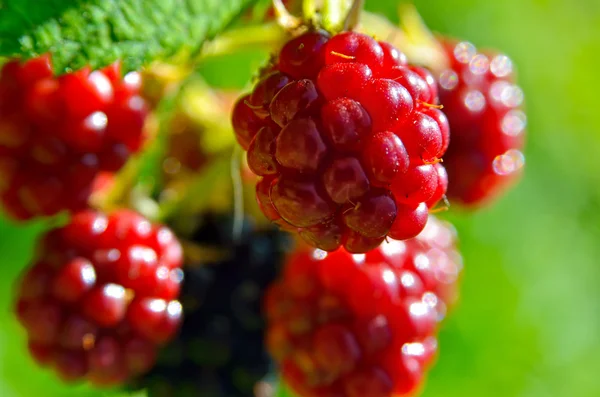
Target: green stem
x,y
333,15
268,35
309,10
353,14
413,38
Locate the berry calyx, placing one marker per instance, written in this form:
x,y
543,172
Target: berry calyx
x,y
342,130
101,297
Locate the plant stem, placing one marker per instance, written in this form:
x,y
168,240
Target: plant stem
x,y
238,193
333,15
233,40
353,15
309,10
414,39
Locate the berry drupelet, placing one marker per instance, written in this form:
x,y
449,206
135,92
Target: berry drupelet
x,y
347,139
362,325
484,109
219,351
101,297
58,133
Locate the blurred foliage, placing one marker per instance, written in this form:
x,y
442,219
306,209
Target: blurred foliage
x,y
529,319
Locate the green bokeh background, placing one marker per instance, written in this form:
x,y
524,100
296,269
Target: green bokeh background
x,y
529,321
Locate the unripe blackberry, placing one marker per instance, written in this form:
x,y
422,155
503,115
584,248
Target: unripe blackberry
x,y
346,137
484,109
58,133
363,324
101,297
219,350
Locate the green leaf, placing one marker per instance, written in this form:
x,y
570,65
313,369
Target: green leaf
x,y
98,32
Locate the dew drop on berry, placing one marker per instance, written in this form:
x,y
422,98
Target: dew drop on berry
x,y
448,79
501,66
479,64
474,101
464,52
509,162
513,123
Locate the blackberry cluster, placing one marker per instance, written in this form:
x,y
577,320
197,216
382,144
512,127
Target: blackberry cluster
x,y
101,297
219,351
58,133
363,325
484,108
347,139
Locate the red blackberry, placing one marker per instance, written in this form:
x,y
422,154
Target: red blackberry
x,y
346,137
484,110
101,296
362,325
58,133
219,350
